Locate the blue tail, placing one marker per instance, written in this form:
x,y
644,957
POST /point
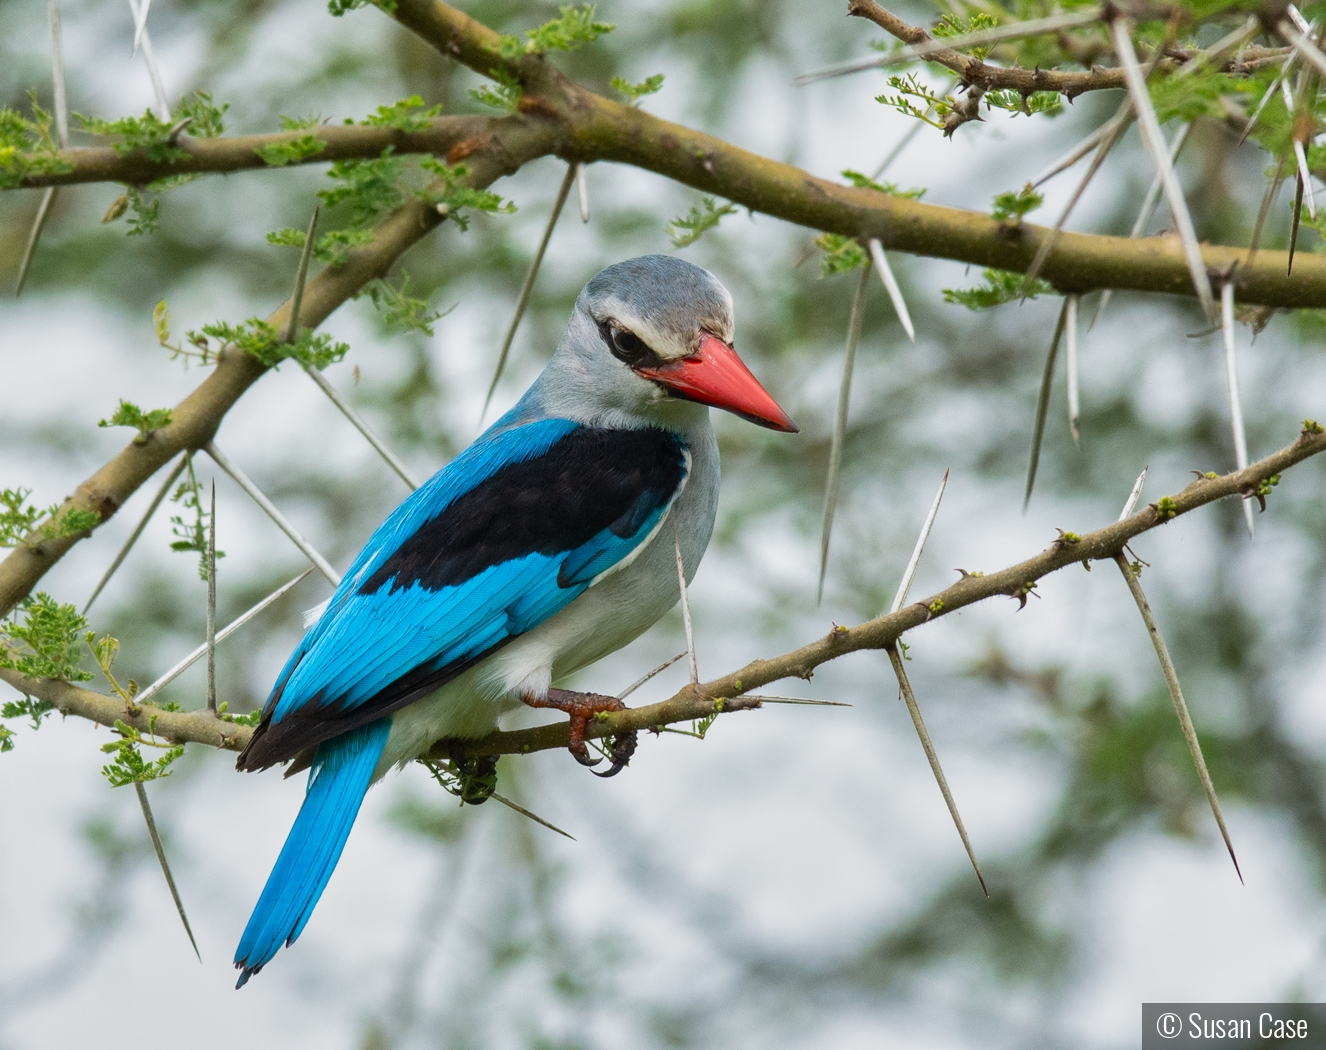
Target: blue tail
x,y
336,787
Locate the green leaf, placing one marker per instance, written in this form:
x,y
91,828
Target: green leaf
x,y
18,520
503,94
866,183
635,92
1001,286
27,147
399,309
1010,207
279,154
402,115
456,198
574,27
368,187
206,114
337,8
129,766
702,217
46,644
130,415
842,254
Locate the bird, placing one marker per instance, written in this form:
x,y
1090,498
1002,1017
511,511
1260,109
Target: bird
x,y
548,543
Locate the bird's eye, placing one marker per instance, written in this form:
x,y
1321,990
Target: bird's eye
x,y
629,347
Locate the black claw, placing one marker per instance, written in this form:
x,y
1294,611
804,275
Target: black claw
x,y
623,747
583,758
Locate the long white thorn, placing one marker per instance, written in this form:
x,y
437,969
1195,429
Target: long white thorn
x,y
891,286
1070,343
140,25
645,678
1232,384
685,611
1147,210
527,289
1124,113
301,275
211,604
360,424
1299,153
840,423
1180,705
1155,143
914,709
57,75
582,192
138,531
254,493
1135,494
30,249
165,865
1011,31
1302,44
221,636
909,573
150,58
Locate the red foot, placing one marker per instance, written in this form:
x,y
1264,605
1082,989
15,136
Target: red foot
x,y
581,707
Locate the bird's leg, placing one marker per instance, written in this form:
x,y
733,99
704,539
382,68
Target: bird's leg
x,y
581,707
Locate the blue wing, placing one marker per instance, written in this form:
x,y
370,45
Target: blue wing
x,y
512,530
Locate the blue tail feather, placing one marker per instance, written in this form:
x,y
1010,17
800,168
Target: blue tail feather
x,y
337,783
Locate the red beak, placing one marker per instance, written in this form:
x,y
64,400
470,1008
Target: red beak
x,y
715,375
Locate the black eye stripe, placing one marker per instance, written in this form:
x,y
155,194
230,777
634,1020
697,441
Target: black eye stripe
x,y
628,347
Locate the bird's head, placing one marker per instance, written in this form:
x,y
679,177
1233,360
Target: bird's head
x,y
657,329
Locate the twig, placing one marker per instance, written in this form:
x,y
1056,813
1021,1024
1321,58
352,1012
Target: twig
x,y
165,866
532,816
685,610
1043,404
211,605
1304,175
146,694
254,493
1180,705
301,275
1107,143
891,286
840,422
360,424
1302,45
1135,494
914,710
527,289
62,133
909,573
642,680
1232,383
1111,127
138,531
794,700
582,191
1070,360
1012,31
1144,213
1155,143
150,60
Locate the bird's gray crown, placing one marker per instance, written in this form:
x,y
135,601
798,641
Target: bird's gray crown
x,y
666,302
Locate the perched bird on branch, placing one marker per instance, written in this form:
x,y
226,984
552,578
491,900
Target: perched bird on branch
x,y
544,546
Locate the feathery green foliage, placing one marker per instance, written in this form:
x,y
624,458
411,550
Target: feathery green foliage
x,y
279,154
1001,286
504,93
27,147
130,415
399,309
368,187
864,182
1010,207
409,115
702,217
572,29
191,535
636,92
128,766
456,198
44,644
19,519
842,254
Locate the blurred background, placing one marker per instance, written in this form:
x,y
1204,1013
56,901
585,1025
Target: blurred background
x,y
793,880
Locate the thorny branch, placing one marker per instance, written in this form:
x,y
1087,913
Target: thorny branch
x,y
726,694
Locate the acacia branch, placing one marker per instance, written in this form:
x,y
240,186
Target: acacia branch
x,y
726,694
241,152
497,151
580,125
